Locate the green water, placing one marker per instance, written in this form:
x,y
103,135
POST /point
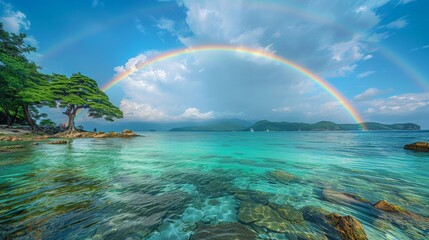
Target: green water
x,y
173,185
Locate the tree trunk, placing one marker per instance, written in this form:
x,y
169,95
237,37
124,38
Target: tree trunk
x,y
71,128
12,122
71,113
30,120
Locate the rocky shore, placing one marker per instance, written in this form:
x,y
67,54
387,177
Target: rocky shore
x,y
25,135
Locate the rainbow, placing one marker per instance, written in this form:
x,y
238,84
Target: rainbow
x,y
249,51
299,11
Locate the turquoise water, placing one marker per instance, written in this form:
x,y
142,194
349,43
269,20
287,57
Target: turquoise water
x,y
175,185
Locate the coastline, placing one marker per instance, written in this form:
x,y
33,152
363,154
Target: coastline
x,y
16,134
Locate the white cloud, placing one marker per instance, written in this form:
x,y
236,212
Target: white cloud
x,y
368,94
405,1
139,25
195,114
141,112
397,24
13,21
247,85
409,103
365,74
145,112
367,57
420,48
166,24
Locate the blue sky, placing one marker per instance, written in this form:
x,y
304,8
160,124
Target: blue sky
x,y
375,52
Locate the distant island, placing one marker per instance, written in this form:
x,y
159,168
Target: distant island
x,y
264,125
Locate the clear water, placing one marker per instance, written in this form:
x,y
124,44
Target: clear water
x,y
168,185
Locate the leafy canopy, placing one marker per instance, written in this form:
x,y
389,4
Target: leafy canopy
x,y
82,92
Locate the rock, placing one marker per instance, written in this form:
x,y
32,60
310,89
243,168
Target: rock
x,y
10,148
224,231
314,214
58,142
252,196
126,131
389,207
347,226
397,210
344,198
289,213
262,216
283,176
418,146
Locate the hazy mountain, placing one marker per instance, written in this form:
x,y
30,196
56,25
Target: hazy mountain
x,y
328,126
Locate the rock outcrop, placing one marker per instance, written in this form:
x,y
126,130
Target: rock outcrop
x,y
418,146
124,134
348,227
337,226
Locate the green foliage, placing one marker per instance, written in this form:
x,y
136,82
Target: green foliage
x,y
24,89
47,123
21,84
81,92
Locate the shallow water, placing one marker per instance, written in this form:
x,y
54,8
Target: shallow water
x,y
174,185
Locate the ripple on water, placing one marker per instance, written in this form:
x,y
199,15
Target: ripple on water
x,y
192,185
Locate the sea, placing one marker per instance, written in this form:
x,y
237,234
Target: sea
x,y
216,185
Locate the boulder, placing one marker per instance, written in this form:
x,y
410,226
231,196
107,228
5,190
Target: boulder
x,y
418,146
336,226
348,227
402,212
389,207
282,176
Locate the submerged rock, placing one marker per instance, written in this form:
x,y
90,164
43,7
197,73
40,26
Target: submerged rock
x,y
289,213
347,226
418,146
343,198
10,148
59,142
262,216
389,207
282,176
415,225
224,231
336,226
315,214
252,196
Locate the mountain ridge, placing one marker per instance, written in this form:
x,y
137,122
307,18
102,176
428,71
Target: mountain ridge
x,y
265,125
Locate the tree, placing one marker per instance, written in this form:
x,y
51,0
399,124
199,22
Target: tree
x,y
81,92
22,87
